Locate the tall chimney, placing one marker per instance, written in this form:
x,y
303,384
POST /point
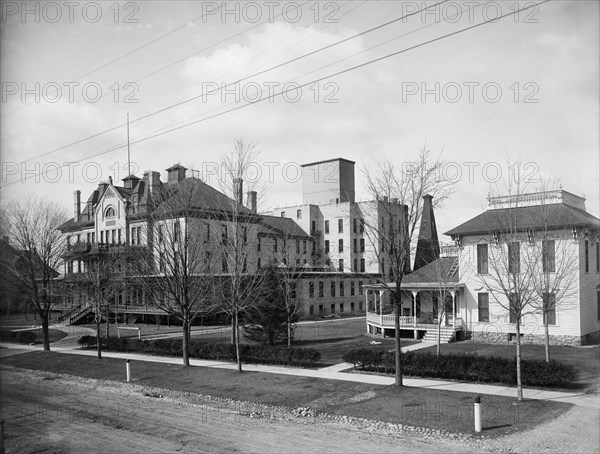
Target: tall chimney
x,y
252,201
77,205
428,246
238,190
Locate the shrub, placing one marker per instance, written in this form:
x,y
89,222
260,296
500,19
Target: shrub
x,y
22,337
465,366
87,341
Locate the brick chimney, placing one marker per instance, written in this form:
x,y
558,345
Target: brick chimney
x,y
251,201
76,205
238,190
428,246
176,173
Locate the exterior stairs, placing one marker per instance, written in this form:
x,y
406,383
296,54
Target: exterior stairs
x,y
447,334
75,315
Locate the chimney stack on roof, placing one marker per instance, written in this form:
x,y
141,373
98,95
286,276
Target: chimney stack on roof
x,y
76,205
428,246
238,190
176,173
251,201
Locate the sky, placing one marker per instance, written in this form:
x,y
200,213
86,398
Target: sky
x,y
514,98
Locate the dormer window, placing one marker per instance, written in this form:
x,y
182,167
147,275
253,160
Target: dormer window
x,y
109,213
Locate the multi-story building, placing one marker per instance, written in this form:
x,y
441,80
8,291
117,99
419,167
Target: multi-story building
x,y
542,249
322,244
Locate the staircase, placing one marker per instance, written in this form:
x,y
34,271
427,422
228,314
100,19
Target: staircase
x,y
75,315
447,333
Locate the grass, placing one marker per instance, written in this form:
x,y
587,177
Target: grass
x,y
585,359
441,410
54,334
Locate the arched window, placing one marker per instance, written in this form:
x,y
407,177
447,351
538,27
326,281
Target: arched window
x,y
109,213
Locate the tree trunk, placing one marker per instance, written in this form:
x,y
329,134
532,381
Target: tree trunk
x,y
547,339
289,331
186,342
237,342
398,382
107,324
519,384
98,344
45,331
439,332
233,333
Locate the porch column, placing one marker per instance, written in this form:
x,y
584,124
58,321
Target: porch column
x,y
381,303
453,310
414,311
367,305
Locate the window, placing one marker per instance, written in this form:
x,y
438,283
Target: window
x,y
352,289
354,223
514,307
258,245
360,287
224,266
320,309
93,237
483,307
258,264
382,266
176,231
283,214
109,213
133,235
207,233
304,247
548,256
362,265
119,236
549,312
333,289
341,245
482,259
320,289
161,262
514,257
313,227
311,289
341,264
360,306
341,288
314,247
362,225
101,238
351,307
275,245
160,234
113,236
340,225
326,226
297,246
207,260
333,308
355,245
298,214
326,246
586,252
341,307
223,233
311,310
293,290
362,245
245,235
355,269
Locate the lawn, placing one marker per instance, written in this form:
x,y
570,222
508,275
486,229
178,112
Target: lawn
x,y
585,359
440,410
54,334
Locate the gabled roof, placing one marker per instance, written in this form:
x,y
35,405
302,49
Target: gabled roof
x,y
558,215
444,270
283,226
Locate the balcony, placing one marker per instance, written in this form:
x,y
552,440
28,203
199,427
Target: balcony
x,y
410,322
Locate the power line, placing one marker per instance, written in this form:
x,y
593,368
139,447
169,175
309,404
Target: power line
x,y
203,94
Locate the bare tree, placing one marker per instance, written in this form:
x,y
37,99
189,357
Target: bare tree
x,y
507,276
32,226
552,262
178,275
392,224
240,286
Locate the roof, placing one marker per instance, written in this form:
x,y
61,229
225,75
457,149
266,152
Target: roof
x,y
283,226
444,270
558,215
327,160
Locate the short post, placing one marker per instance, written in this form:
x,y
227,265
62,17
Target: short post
x,y
477,413
128,369
2,437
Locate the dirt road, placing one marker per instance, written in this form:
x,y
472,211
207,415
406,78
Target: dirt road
x,y
46,413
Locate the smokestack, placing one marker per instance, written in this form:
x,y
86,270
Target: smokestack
x,y
76,205
153,180
252,201
238,190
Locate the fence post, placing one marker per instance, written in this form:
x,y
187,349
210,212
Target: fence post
x,y
477,413
128,370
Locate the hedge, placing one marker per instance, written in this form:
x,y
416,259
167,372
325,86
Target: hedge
x,y
262,354
469,367
22,337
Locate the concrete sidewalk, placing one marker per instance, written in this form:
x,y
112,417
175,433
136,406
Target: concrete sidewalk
x,y
335,372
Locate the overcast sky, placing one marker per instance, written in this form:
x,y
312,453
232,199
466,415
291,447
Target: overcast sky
x,y
521,92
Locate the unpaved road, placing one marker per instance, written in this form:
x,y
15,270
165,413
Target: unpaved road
x,y
50,413
68,415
